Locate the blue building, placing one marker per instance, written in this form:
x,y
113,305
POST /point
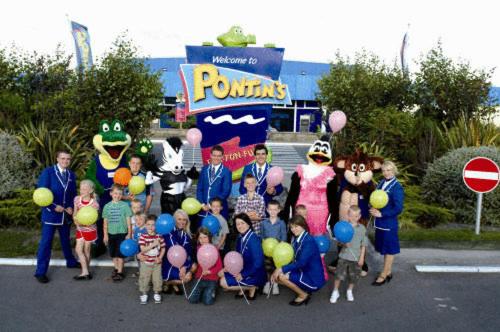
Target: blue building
x,y
304,114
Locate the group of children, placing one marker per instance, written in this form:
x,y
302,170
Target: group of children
x,y
123,220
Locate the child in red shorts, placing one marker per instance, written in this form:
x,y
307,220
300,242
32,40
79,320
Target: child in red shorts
x,y
85,235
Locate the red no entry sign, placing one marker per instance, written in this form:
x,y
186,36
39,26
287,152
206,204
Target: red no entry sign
x,y
481,174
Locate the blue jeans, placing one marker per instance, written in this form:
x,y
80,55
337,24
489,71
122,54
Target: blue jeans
x,y
204,291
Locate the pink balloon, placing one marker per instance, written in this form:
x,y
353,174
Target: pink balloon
x,y
193,136
177,256
207,256
233,262
337,121
274,176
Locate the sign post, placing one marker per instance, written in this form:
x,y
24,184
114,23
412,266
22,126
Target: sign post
x,y
481,175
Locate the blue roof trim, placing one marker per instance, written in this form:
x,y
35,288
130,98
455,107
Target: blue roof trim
x,y
300,76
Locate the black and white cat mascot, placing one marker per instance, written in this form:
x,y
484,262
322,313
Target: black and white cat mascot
x,y
174,179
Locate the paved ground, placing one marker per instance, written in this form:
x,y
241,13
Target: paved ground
x,y
411,301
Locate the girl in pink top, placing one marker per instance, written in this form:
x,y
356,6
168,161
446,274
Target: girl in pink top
x,y
85,235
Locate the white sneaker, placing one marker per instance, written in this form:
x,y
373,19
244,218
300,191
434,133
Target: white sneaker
x,y
335,296
276,289
157,298
350,297
144,299
267,288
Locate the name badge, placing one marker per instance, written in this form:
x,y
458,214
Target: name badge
x,y
111,174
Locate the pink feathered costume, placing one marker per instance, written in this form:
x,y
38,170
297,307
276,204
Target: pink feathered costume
x,y
314,197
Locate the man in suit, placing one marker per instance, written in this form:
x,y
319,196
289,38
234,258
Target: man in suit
x,y
215,181
259,170
61,181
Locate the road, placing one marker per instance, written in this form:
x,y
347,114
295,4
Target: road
x,y
412,301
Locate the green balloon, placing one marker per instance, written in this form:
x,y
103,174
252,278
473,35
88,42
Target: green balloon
x,y
87,215
191,205
136,185
282,254
43,197
379,199
268,246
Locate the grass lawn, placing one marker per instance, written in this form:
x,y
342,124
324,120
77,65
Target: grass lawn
x,y
449,239
21,243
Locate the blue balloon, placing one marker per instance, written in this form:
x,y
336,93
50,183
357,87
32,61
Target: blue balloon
x,y
129,248
212,223
323,243
165,224
343,231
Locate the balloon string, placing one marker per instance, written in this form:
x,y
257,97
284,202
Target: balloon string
x,y
244,296
356,258
196,285
270,288
193,155
184,287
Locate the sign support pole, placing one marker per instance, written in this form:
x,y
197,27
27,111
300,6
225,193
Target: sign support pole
x,y
478,211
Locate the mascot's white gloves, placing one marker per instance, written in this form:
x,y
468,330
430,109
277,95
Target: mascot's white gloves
x,y
149,178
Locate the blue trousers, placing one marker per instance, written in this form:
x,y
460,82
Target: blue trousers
x,y
45,247
204,291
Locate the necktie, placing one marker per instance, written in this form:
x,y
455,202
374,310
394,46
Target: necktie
x,y
64,176
259,173
212,172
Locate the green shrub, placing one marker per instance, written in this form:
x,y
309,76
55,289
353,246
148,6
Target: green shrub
x,y
19,210
417,212
443,185
16,167
44,143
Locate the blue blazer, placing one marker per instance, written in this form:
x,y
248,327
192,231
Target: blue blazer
x,y
218,187
393,208
249,246
307,260
64,194
261,183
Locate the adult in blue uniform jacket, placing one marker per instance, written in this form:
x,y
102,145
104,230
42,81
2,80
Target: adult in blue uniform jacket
x,y
215,181
62,182
249,245
259,169
179,236
386,221
305,274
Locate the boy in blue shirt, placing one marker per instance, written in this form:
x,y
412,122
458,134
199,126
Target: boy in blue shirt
x,y
273,227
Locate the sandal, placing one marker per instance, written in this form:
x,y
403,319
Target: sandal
x,y
118,277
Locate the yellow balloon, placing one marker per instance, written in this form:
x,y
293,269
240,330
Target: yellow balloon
x,y
268,246
136,185
191,205
282,254
87,215
379,199
43,197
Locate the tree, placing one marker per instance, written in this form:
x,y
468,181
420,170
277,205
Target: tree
x,y
447,90
119,86
360,87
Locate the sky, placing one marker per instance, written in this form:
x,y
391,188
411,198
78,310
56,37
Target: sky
x,y
308,30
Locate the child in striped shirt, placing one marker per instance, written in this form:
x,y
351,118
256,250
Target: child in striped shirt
x,y
152,251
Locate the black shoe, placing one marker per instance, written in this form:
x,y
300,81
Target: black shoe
x,y
251,298
239,296
167,290
42,279
178,291
85,277
380,283
389,277
303,302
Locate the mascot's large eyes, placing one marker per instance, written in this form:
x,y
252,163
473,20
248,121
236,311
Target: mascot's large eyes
x,y
354,167
324,150
105,127
362,167
117,127
316,149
